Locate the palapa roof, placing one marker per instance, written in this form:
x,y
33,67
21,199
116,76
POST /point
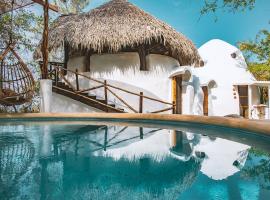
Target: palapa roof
x,y
120,26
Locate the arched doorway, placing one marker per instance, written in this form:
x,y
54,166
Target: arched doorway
x,y
177,93
205,100
243,100
178,77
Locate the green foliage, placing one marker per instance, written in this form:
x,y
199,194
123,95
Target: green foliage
x,y
228,5
25,29
258,152
71,6
258,167
257,54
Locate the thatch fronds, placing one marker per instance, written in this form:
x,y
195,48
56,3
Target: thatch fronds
x,y
119,25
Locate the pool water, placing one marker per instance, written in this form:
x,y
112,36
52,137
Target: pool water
x,y
88,161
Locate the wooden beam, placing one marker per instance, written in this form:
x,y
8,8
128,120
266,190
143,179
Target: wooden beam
x,y
179,101
45,52
2,56
66,55
142,55
43,3
87,62
269,101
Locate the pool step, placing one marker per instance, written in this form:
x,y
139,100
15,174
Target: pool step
x,y
85,98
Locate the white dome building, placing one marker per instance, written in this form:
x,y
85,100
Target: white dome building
x,y
224,86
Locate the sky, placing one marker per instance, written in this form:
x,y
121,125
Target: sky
x,y
184,16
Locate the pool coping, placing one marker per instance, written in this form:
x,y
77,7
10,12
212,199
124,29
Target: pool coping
x,y
258,126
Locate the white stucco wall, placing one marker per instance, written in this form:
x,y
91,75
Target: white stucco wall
x,y
123,70
62,104
187,99
226,71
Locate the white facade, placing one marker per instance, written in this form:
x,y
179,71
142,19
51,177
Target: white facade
x,y
123,70
62,104
227,72
221,74
45,95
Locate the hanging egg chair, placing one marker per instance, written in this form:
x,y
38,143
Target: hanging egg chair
x,y
16,80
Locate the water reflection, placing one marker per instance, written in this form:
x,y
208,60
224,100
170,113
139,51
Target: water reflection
x,y
16,155
79,161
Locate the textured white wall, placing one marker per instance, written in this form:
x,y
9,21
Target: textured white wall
x,y
226,71
76,63
45,95
62,104
188,99
123,70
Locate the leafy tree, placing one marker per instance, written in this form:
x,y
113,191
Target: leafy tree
x,y
257,54
227,5
24,29
71,6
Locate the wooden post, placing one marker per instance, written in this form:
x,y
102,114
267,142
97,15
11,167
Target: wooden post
x,y
178,93
268,101
105,139
50,72
56,76
77,80
141,132
41,67
141,103
174,109
105,92
50,67
1,79
45,52
87,61
66,56
142,56
249,102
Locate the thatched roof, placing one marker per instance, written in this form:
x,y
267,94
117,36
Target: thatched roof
x,y
118,26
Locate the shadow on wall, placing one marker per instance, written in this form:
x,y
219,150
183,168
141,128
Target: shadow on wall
x,y
123,70
129,64
198,97
68,105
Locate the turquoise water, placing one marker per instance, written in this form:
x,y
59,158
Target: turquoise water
x,y
83,161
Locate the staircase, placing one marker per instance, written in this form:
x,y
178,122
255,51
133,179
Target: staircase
x,y
63,87
85,98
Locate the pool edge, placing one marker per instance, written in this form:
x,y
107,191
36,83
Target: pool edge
x,y
244,124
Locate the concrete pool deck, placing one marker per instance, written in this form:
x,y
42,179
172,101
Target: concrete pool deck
x,y
237,123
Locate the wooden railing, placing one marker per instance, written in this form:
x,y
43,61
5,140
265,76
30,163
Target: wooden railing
x,y
56,71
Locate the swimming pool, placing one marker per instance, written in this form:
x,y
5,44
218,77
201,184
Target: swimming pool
x,y
116,160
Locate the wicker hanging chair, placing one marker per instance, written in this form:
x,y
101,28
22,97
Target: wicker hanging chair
x,y
16,80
